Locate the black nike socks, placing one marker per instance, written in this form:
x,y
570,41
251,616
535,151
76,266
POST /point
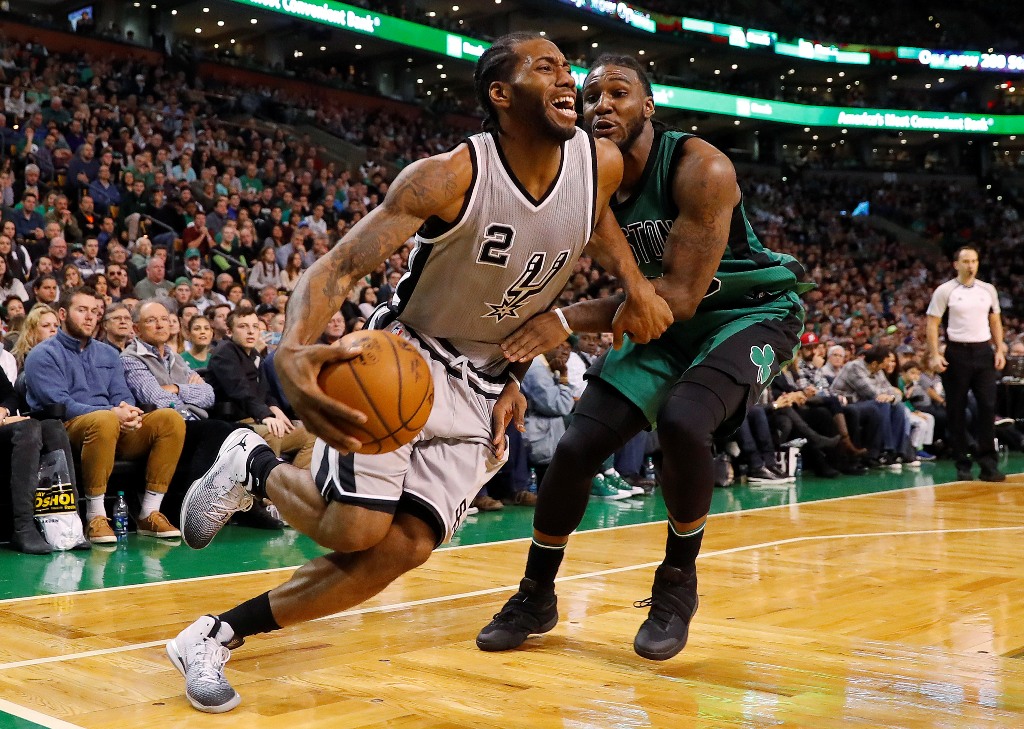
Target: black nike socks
x,y
251,617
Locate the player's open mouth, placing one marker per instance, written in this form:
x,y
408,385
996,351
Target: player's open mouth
x,y
565,106
603,125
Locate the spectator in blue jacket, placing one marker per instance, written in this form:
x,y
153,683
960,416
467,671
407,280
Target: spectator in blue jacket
x,y
86,377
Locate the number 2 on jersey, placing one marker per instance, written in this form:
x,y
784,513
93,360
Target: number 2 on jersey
x,y
496,244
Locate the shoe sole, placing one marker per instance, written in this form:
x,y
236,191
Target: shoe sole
x,y
672,652
619,496
176,534
103,540
177,662
197,484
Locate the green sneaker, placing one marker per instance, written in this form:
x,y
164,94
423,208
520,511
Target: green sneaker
x,y
601,488
611,476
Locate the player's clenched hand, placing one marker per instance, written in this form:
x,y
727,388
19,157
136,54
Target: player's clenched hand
x,y
540,334
299,367
509,408
643,315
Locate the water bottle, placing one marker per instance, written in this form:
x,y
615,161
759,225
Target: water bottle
x,y
533,480
120,518
799,464
648,473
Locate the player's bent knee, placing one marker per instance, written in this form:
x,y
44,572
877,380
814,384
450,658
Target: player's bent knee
x,y
677,428
573,448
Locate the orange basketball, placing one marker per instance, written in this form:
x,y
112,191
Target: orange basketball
x,y
390,382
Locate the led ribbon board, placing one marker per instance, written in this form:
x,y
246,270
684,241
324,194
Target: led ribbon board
x,y
832,116
844,53
453,45
378,25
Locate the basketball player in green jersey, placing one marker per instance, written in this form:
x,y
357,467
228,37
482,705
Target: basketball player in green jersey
x,y
738,319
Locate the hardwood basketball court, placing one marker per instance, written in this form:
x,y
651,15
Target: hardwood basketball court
x,y
902,609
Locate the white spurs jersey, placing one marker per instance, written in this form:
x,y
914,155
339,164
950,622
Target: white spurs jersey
x,y
506,257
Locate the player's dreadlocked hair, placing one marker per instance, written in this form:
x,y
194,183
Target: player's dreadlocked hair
x,y
496,64
612,59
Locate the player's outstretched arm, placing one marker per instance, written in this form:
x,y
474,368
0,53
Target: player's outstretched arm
x,y
430,187
706,193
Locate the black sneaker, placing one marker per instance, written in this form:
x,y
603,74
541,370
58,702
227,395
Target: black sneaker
x,y
529,612
964,474
673,602
992,474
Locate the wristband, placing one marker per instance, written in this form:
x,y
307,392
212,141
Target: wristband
x,y
565,324
515,380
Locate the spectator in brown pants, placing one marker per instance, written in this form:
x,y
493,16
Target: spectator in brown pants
x,y
234,372
87,378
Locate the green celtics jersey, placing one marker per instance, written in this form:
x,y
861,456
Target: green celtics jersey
x,y
748,274
752,286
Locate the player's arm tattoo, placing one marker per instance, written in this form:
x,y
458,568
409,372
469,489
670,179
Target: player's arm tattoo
x,y
421,190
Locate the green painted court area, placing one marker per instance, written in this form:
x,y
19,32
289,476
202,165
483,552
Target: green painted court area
x,y
241,549
7,721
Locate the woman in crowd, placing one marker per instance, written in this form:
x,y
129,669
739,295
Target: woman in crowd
x,y
276,237
367,302
70,277
265,272
40,323
290,274
17,263
177,340
200,335
13,319
98,282
9,285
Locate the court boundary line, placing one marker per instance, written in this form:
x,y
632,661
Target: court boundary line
x,y
34,716
270,570
393,607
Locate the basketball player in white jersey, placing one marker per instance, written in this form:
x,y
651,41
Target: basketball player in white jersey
x,y
502,220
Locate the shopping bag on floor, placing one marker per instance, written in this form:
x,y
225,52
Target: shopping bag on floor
x,y
56,508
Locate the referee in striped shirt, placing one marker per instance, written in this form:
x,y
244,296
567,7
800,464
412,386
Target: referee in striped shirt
x,y
972,328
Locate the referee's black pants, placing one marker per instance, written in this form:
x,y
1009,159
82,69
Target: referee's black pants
x,y
971,368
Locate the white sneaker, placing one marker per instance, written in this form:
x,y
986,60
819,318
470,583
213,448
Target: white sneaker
x,y
214,497
199,655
